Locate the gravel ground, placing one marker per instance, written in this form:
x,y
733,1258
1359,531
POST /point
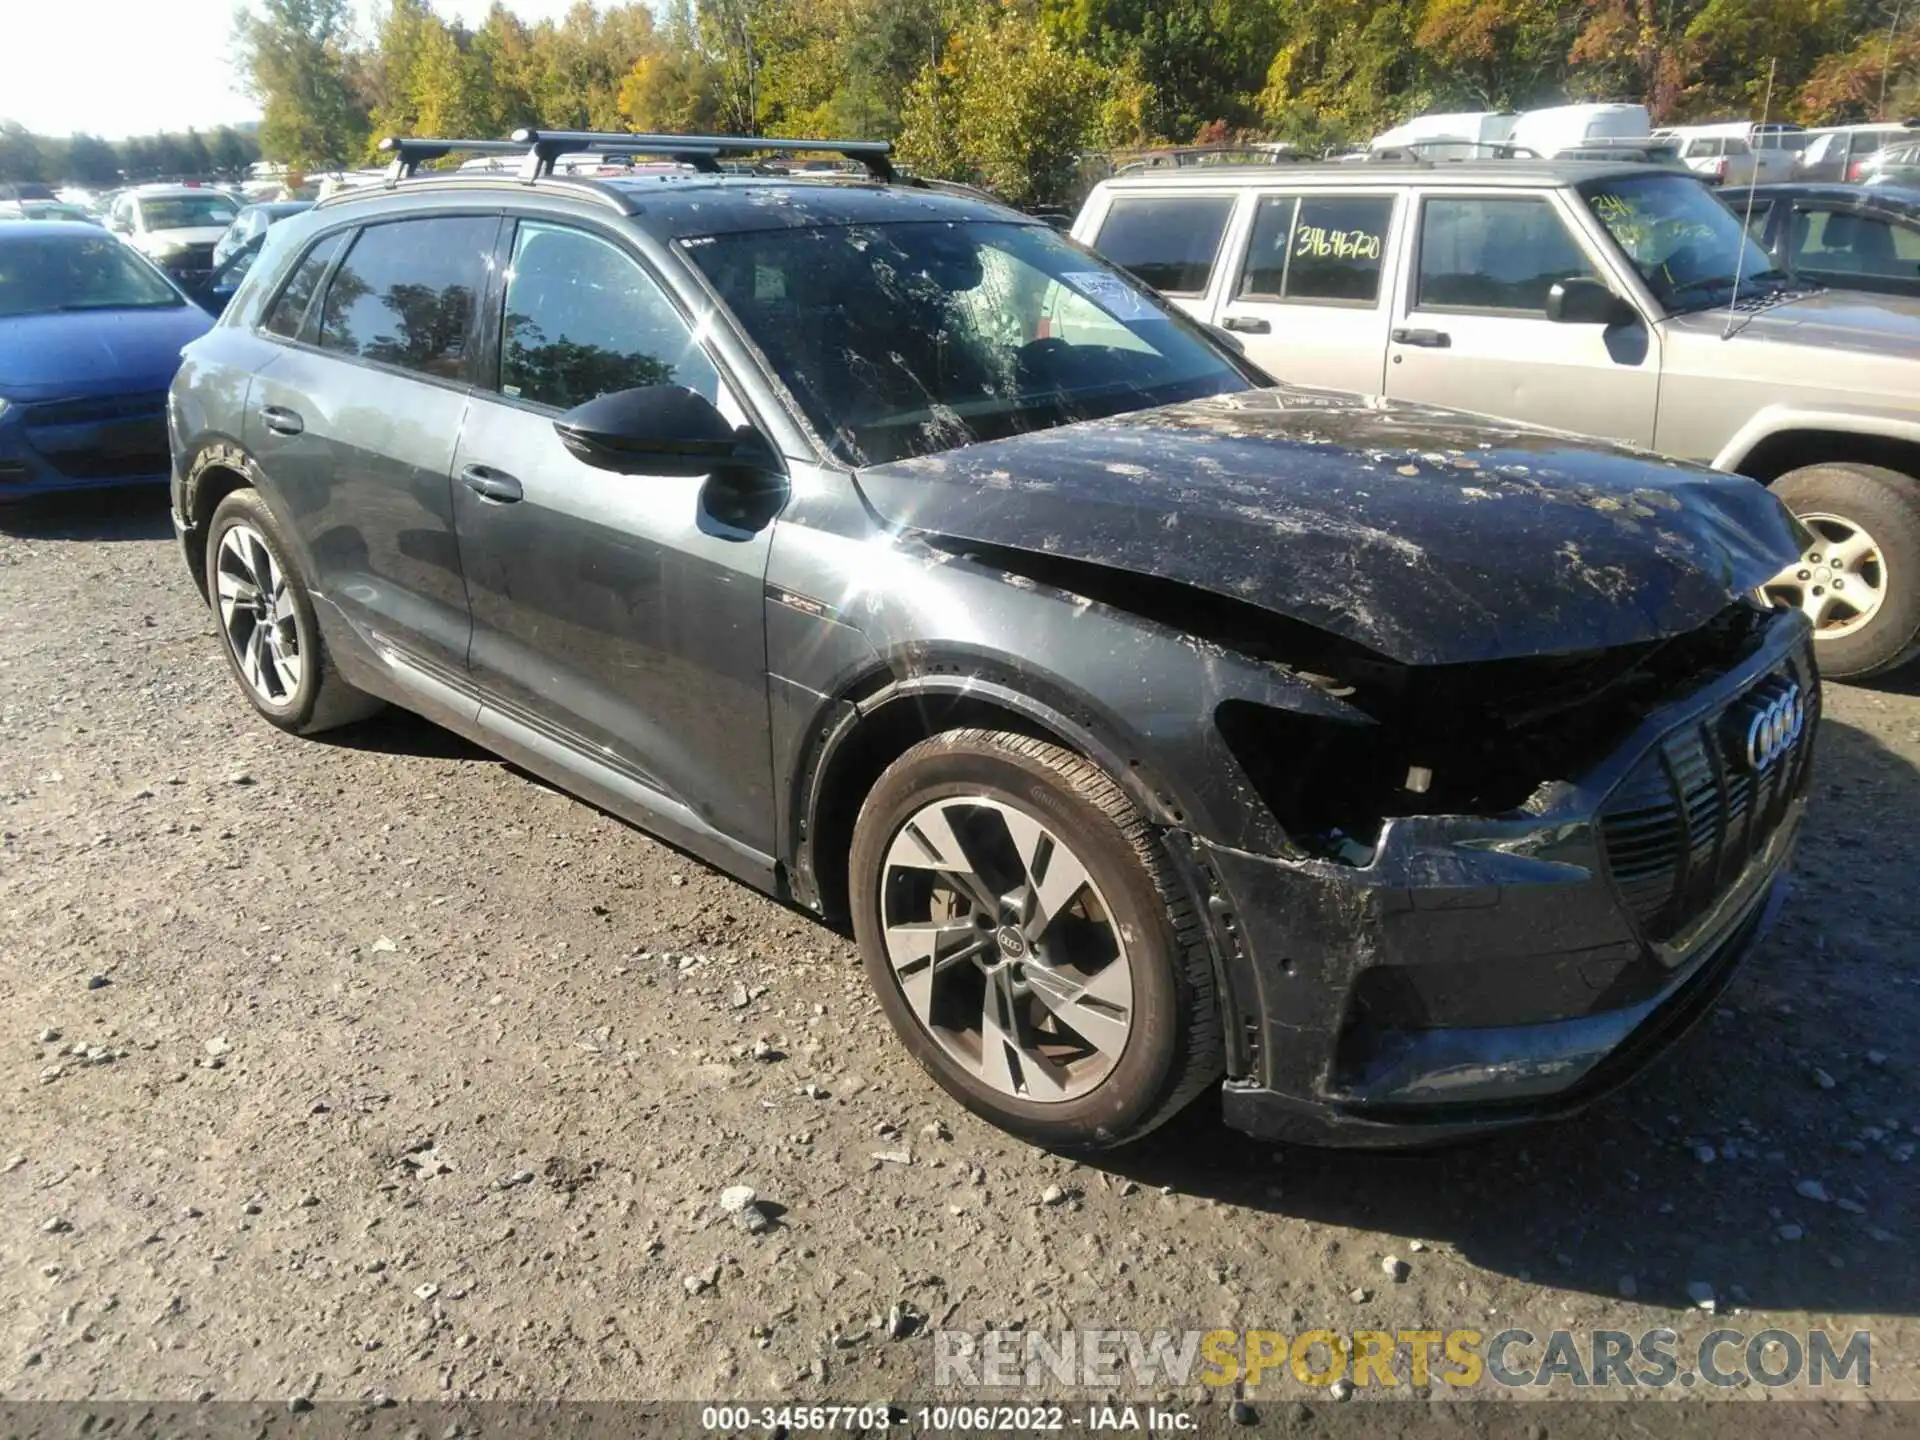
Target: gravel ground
x,y
370,1066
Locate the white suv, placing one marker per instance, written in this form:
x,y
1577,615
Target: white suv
x,y
1607,299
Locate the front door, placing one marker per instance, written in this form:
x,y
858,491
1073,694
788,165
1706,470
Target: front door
x,y
1471,330
620,615
1307,301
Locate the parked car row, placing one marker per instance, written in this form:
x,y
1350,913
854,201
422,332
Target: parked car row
x,y
1735,152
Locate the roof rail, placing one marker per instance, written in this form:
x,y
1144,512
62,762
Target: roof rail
x,y
540,149
541,146
410,154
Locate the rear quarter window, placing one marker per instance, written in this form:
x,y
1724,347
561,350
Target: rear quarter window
x,y
287,315
1170,242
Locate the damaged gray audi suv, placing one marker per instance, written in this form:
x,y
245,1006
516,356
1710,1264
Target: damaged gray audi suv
x,y
1154,726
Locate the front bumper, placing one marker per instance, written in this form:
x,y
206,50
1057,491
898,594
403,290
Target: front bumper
x,y
110,440
1484,973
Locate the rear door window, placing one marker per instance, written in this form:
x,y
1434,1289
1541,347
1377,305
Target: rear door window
x,y
1318,249
405,295
1493,253
1169,242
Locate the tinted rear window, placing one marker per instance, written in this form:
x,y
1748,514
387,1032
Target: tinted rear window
x,y
406,291
1167,242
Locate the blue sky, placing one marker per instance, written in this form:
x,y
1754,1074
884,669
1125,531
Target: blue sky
x,y
129,67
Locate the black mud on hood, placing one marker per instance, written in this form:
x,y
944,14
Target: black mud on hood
x,y
1429,536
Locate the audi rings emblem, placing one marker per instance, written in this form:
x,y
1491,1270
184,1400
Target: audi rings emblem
x,y
1773,726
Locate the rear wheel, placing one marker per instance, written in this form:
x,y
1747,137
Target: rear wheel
x,y
267,626
1028,940
1858,580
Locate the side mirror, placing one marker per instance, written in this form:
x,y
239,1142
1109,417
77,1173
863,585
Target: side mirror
x,y
1582,300
658,429
118,225
1226,337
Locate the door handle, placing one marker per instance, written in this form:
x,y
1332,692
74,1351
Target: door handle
x,y
1430,339
492,485
281,421
1247,325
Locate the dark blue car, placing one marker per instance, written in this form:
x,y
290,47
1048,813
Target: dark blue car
x,y
90,335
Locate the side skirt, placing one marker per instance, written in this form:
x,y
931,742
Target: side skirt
x,y
449,699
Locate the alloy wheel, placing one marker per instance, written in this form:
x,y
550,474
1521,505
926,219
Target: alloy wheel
x,y
1005,950
1839,581
256,612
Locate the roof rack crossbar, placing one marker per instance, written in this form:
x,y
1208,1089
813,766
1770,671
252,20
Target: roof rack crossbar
x,y
409,154
542,146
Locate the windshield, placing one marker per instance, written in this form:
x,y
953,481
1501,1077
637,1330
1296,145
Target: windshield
x,y
910,339
187,212
43,274
1686,245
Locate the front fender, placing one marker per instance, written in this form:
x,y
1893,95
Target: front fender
x,y
911,625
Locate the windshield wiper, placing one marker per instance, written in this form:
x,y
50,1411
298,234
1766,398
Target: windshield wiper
x,y
1710,283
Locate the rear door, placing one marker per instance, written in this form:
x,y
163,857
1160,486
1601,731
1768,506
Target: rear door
x,y
1471,329
1170,240
1308,296
355,424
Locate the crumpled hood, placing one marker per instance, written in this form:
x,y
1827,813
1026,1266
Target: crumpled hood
x,y
1429,536
91,352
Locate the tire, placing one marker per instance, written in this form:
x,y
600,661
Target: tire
x,y
995,786
1884,505
307,695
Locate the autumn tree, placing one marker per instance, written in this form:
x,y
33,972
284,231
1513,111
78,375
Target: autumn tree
x,y
1011,108
292,59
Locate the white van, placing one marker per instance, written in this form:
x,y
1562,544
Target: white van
x,y
1562,127
1460,135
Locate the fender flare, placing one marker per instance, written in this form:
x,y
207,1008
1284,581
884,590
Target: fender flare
x,y
841,716
218,452
1868,422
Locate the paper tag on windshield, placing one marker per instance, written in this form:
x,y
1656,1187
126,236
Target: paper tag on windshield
x,y
1112,294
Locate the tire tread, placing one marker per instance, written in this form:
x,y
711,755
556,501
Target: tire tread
x,y
1201,1058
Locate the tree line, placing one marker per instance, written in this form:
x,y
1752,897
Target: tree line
x,y
91,161
1011,93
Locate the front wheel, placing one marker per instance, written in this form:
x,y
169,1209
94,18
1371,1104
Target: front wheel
x,y
1858,580
1029,941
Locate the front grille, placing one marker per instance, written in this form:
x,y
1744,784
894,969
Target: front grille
x,y
1683,824
189,259
139,406
133,464
103,437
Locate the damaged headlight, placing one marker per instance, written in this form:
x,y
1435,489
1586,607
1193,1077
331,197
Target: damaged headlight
x,y
1331,784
